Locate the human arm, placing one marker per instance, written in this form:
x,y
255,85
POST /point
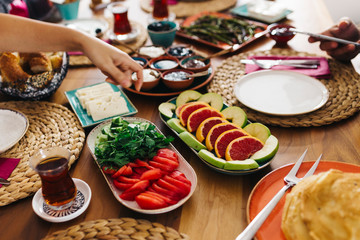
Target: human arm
x,y
345,29
27,35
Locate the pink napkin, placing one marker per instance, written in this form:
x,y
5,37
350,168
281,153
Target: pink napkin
x,y
7,166
323,71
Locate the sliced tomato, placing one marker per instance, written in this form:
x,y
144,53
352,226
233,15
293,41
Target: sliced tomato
x,y
166,161
141,163
151,174
149,202
165,192
119,172
109,170
184,186
161,166
167,153
165,184
134,190
122,186
140,170
125,179
128,171
179,176
160,196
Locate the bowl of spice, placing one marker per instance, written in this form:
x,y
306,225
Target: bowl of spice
x,y
151,79
177,79
179,51
164,63
141,61
195,63
151,51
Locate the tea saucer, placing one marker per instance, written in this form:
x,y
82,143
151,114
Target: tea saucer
x,y
81,203
126,38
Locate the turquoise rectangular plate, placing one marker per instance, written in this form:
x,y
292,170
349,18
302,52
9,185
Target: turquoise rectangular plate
x,y
84,118
242,11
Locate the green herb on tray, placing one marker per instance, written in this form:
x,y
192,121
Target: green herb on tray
x,y
121,142
220,30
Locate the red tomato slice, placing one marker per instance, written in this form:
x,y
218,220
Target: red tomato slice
x,y
109,170
122,186
151,174
134,190
166,161
165,184
165,192
185,187
141,163
179,176
124,179
119,172
140,170
157,195
147,202
128,171
164,167
167,153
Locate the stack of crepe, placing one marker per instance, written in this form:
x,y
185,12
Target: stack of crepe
x,y
323,207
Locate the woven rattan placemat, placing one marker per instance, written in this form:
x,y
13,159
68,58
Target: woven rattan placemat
x,y
343,87
121,228
50,124
189,8
81,60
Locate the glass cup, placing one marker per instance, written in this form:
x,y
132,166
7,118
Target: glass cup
x,y
160,10
121,22
52,165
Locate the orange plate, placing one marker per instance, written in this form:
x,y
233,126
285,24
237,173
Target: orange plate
x,y
188,21
269,185
162,91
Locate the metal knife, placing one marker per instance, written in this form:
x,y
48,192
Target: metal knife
x,y
279,61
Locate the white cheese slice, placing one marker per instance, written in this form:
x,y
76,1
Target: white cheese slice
x,y
101,110
103,87
100,98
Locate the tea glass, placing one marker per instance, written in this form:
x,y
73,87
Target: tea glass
x,y
160,10
121,22
52,165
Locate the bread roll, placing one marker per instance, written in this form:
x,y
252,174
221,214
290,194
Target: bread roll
x,y
38,62
10,68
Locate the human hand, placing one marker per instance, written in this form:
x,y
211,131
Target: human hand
x,y
114,63
345,29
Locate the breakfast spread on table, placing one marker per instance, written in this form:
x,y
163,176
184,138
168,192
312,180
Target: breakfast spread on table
x,y
228,127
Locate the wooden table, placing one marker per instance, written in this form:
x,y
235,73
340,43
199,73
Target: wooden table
x,y
217,210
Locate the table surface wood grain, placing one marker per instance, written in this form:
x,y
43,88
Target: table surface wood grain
x,y
217,209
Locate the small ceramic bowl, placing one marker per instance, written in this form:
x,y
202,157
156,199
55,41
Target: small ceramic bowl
x,y
151,51
280,32
162,33
140,60
164,63
176,79
193,64
151,79
179,51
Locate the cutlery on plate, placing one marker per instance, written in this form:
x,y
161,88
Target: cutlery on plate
x,y
4,182
291,181
269,65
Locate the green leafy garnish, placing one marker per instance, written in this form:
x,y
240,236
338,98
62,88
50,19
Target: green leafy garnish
x,y
122,142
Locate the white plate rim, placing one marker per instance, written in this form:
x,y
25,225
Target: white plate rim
x,y
314,81
103,22
183,164
25,122
38,201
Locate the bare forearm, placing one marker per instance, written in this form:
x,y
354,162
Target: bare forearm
x,y
26,35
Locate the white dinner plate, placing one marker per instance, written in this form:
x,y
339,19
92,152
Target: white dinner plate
x,y
88,25
81,203
282,93
13,126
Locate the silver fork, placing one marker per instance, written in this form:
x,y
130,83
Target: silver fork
x,y
269,65
291,181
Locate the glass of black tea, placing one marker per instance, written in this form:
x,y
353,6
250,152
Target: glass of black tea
x,y
121,22
52,165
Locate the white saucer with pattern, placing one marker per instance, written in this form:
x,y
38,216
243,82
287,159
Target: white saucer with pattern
x,y
80,204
